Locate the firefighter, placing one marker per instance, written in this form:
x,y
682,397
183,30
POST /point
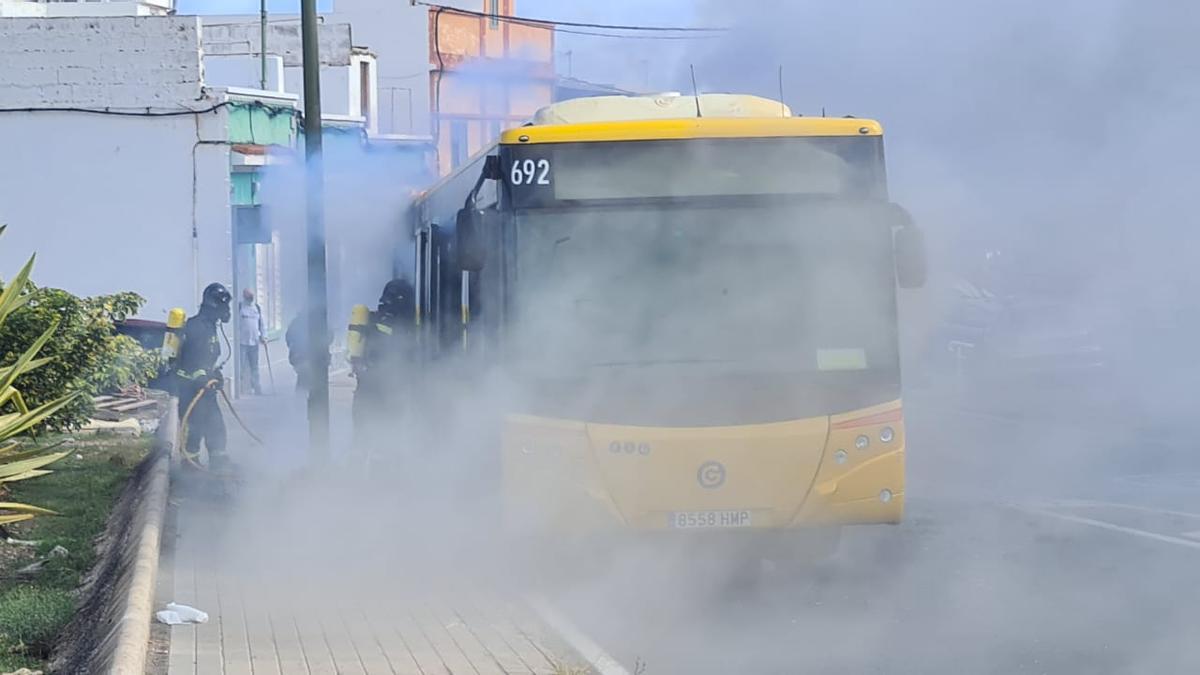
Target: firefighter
x,y
384,344
198,374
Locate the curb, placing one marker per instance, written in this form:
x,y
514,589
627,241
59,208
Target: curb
x,y
132,631
110,632
593,654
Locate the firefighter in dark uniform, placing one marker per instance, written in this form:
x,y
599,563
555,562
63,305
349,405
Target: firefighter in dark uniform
x,y
197,373
387,343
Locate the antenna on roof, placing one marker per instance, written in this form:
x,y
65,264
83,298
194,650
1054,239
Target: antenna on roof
x,y
695,90
822,111
782,107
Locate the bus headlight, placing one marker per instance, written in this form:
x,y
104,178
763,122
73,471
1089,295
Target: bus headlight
x,y
885,496
862,442
840,456
886,434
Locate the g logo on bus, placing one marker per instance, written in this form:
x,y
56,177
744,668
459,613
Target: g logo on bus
x,y
711,475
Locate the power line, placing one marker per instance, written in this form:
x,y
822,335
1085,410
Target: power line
x,y
272,111
128,112
573,24
636,37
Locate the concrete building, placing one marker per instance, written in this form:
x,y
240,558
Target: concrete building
x,y
348,74
76,8
486,75
389,69
454,77
369,175
414,72
124,170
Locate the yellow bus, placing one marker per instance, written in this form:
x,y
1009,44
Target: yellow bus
x,y
692,303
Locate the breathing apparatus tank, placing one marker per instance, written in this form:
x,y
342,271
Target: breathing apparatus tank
x,y
172,338
355,340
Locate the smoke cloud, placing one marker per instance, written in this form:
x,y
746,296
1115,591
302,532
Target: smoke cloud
x,y
1046,151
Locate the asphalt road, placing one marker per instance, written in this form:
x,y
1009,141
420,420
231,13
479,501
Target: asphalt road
x,y
1041,536
1032,543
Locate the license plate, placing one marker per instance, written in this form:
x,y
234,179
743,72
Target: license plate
x,y
708,519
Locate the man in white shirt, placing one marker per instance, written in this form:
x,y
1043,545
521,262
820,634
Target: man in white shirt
x,y
250,335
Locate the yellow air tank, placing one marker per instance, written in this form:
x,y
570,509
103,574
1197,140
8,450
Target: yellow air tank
x,y
355,343
171,339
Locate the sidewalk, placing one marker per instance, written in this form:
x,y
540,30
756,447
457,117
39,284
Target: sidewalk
x,y
301,576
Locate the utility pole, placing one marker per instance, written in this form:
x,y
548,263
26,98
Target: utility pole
x,y
318,328
262,42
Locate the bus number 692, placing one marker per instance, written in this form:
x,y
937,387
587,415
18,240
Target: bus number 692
x,y
530,172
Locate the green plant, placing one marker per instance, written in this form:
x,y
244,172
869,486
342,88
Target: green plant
x,y
30,618
16,462
84,489
86,354
126,362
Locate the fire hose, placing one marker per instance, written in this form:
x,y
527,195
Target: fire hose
x,y
194,457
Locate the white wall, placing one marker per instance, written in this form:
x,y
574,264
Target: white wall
x,y
398,34
242,71
21,8
370,111
85,8
336,85
109,202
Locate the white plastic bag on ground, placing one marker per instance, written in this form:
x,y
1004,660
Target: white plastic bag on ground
x,y
169,618
176,614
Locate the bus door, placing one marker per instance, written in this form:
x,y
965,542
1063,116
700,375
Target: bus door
x,y
426,264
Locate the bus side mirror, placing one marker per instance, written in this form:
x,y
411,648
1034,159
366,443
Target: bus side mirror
x,y
911,266
491,168
469,239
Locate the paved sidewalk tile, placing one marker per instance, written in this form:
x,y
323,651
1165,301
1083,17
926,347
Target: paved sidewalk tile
x,y
263,624
246,634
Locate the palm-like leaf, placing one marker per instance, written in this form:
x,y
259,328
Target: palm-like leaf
x,y
25,421
32,365
15,518
22,363
18,468
26,508
13,450
18,464
27,475
14,294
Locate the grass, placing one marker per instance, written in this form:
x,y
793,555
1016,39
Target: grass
x,y
82,490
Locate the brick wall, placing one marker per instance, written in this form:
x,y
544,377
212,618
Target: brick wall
x,y
117,62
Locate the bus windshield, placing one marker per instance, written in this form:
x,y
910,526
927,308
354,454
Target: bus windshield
x,y
760,290
542,175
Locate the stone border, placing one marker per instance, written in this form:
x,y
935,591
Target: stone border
x,y
133,628
600,661
111,629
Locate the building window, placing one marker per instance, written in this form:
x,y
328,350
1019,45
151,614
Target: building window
x,y
364,92
458,143
494,11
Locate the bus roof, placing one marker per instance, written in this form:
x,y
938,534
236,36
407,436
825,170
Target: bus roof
x,y
691,127
657,107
